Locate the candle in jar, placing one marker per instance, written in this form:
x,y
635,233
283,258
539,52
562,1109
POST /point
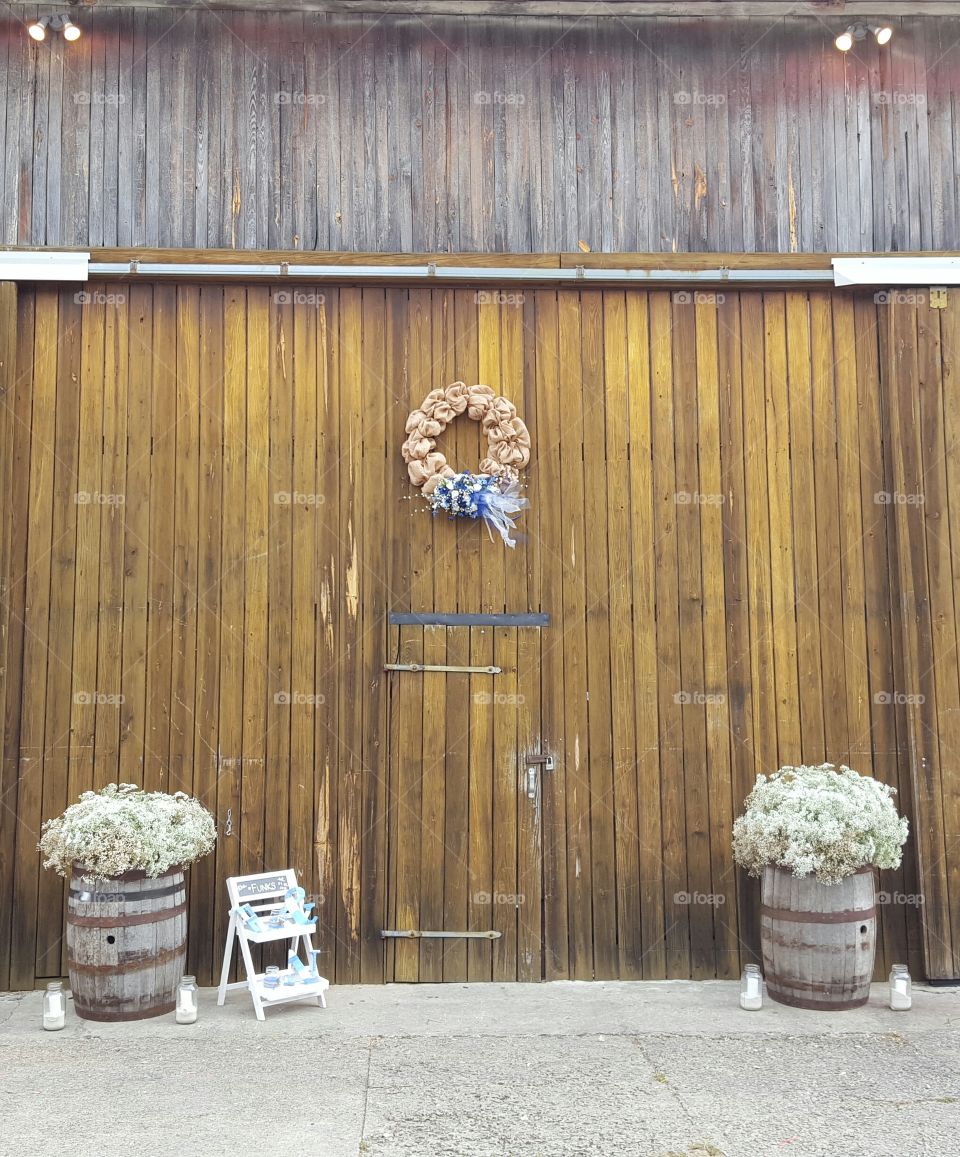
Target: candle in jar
x,y
187,1008
751,992
901,995
54,1007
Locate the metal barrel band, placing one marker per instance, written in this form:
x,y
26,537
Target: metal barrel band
x,y
98,1012
817,1005
132,876
792,983
96,895
856,916
127,964
121,921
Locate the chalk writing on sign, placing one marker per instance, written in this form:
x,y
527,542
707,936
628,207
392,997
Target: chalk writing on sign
x,y
270,885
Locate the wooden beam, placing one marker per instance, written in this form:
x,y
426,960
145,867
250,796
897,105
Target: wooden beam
x,y
714,267
726,9
625,260
668,270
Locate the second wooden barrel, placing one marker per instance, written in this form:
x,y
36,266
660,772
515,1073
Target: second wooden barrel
x,y
126,945
818,940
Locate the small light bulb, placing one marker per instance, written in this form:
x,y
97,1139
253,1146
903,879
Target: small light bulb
x,y
70,30
883,34
37,31
844,41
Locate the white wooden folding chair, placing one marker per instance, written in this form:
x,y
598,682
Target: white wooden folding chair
x,y
264,893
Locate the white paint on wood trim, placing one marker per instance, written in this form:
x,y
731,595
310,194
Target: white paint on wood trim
x,y
44,265
896,270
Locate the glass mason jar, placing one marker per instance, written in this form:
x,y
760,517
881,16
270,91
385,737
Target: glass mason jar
x,y
187,1004
751,988
901,988
54,1006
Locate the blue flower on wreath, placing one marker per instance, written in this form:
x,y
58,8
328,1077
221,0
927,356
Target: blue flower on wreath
x,y
487,496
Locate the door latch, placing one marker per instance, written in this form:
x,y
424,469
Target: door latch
x,y
534,762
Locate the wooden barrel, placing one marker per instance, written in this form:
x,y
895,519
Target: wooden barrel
x,y
126,945
818,940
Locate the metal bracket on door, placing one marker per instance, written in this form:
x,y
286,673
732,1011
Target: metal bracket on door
x,y
547,762
442,667
416,934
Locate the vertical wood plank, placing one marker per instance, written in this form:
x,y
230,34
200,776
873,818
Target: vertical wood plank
x,y
781,544
556,934
186,541
91,499
305,388
618,384
758,535
231,590
207,887
646,669
670,683
597,578
378,426
159,543
286,700
256,589
571,552
328,621
43,361
726,955
60,643
510,798
831,561
744,762
690,499
808,564
353,583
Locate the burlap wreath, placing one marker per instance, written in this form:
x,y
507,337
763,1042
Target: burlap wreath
x,y
508,440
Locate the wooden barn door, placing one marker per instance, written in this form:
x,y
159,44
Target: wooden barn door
x,y
212,560
465,799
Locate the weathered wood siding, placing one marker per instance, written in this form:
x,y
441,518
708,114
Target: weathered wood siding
x,y
208,522
403,134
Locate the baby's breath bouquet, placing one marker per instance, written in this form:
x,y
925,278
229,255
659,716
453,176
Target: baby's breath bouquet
x,y
823,821
125,829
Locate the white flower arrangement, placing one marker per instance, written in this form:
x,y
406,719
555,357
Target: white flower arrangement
x,y
821,820
124,829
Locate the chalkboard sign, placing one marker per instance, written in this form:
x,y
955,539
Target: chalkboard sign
x,y
269,884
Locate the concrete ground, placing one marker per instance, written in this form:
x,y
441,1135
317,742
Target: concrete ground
x,y
669,1069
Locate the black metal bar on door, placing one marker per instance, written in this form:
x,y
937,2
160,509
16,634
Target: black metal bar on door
x,y
442,619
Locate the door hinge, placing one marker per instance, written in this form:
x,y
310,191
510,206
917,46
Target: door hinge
x,y
938,297
442,667
417,934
